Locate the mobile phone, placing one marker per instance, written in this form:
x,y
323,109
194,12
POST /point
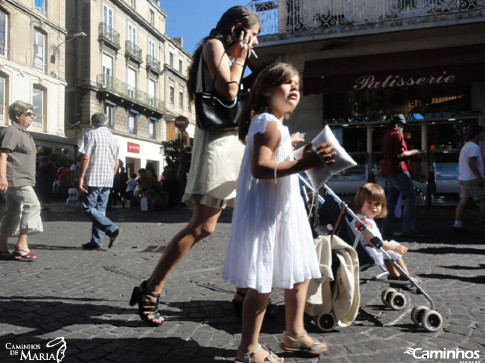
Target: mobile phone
x,y
237,32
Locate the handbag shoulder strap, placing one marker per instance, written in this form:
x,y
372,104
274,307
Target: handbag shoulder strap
x,y
201,69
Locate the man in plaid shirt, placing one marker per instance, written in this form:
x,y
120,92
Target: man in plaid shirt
x,y
99,164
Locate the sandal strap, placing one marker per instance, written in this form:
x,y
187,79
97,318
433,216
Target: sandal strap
x,y
296,342
271,358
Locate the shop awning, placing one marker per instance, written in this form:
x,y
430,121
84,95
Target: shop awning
x,y
429,67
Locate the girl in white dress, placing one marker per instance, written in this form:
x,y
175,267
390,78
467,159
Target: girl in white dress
x,y
271,243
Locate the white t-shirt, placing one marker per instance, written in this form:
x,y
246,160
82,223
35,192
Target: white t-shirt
x,y
469,150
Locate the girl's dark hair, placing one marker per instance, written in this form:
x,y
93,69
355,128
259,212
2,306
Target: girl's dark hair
x,y
224,31
272,76
370,192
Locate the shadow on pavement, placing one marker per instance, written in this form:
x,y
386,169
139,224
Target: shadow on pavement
x,y
472,279
43,316
125,350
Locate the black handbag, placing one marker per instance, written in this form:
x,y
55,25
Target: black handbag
x,y
216,114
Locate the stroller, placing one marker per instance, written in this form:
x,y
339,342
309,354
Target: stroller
x,y
325,212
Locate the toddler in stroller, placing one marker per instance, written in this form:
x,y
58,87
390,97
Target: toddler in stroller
x,y
370,203
332,211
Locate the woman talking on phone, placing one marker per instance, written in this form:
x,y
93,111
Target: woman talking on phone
x,y
216,156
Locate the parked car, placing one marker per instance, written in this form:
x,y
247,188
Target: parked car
x,y
346,183
444,177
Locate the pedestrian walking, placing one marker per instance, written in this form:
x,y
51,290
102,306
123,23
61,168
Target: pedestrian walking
x,y
17,180
216,156
471,176
271,242
396,169
99,164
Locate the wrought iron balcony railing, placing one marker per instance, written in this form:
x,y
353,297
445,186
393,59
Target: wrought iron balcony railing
x,y
153,63
122,89
332,16
107,33
133,51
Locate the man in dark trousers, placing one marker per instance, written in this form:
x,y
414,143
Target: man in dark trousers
x,y
396,169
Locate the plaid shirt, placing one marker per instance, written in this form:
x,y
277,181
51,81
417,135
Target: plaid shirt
x,y
103,149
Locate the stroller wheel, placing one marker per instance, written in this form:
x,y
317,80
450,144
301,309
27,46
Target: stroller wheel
x,y
326,322
396,300
417,314
385,294
432,321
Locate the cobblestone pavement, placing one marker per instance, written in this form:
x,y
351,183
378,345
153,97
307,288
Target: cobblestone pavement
x,y
83,296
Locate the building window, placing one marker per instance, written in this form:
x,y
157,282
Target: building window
x,y
171,59
3,33
151,92
133,3
132,123
40,4
38,100
39,49
3,101
107,71
131,83
152,17
172,94
132,34
181,99
151,49
151,129
109,111
180,65
108,18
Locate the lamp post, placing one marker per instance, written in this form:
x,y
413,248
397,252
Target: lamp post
x,y
71,37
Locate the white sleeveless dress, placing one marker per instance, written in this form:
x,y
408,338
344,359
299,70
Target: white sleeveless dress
x,y
271,243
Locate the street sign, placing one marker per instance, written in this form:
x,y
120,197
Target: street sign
x,y
181,122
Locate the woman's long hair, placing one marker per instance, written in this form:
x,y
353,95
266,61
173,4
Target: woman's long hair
x,y
272,76
224,31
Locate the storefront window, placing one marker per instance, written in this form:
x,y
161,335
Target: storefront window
x,y
415,103
38,102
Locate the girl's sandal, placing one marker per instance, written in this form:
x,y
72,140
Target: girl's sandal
x,y
271,358
295,346
147,304
27,256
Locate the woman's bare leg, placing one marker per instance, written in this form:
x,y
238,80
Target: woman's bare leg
x,y
201,225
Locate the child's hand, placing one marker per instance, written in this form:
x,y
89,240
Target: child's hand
x,y
401,249
297,137
316,156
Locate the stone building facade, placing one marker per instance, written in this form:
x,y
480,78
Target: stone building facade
x,y
31,33
122,69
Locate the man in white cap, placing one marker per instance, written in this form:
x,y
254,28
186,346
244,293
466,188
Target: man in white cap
x,y
396,169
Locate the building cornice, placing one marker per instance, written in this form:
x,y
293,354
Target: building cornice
x,y
134,15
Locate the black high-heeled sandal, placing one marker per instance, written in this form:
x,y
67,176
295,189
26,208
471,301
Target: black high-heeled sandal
x,y
238,306
147,304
